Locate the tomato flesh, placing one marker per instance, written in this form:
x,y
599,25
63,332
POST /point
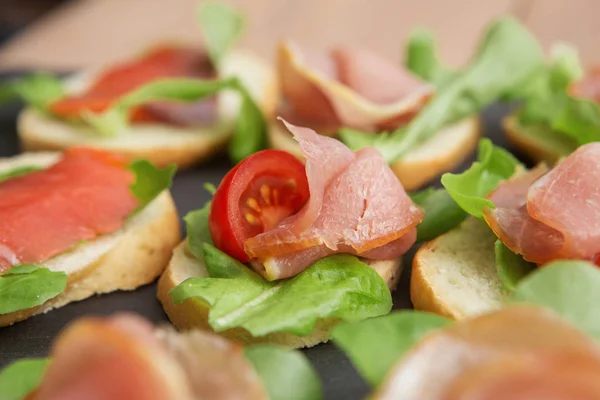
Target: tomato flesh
x,y
255,196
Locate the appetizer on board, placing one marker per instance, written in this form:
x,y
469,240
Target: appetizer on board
x,y
173,103
123,357
299,229
80,223
422,117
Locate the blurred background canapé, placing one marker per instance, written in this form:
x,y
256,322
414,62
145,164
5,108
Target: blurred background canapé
x,y
70,34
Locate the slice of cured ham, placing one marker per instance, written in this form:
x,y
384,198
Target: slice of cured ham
x,y
124,358
517,353
160,63
45,213
553,215
359,90
356,205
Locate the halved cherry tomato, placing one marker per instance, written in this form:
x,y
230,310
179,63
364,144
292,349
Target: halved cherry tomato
x,y
254,197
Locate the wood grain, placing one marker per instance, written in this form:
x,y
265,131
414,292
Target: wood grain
x,y
89,33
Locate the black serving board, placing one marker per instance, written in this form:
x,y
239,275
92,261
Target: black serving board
x,y
33,337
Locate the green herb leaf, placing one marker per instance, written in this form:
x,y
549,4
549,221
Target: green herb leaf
x,y
250,129
338,286
441,213
198,231
27,286
568,287
22,377
150,181
421,60
221,27
376,344
286,374
469,188
511,267
38,90
508,56
16,172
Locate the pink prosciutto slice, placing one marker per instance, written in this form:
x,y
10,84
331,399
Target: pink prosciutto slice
x,y
356,205
124,358
552,215
358,89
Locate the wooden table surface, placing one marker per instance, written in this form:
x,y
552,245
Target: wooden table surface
x,y
92,32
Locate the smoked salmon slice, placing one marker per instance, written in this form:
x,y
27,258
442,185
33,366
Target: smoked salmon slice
x,y
356,206
45,213
162,62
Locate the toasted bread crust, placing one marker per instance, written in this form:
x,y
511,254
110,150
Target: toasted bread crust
x,y
193,313
534,149
160,144
440,154
137,254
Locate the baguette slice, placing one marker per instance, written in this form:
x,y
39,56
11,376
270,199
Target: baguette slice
x,y
193,312
123,260
536,143
442,153
161,144
455,274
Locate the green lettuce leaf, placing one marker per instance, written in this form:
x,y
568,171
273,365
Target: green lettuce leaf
x,y
570,288
376,344
150,181
469,188
198,231
420,58
21,377
338,286
26,286
511,267
16,172
37,90
507,57
286,374
221,26
250,132
441,213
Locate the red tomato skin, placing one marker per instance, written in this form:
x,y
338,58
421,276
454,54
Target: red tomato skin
x,y
228,227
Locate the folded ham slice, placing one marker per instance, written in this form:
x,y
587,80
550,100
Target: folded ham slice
x,y
357,89
356,206
551,215
124,358
519,353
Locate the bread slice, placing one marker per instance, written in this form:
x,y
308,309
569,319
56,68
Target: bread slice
x,y
123,260
161,144
442,153
540,147
193,313
455,274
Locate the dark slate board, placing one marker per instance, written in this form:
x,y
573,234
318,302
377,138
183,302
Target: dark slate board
x,y
33,337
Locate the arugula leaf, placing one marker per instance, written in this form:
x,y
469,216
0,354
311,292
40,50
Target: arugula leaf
x,y
339,286
570,288
286,374
469,188
198,231
22,377
27,286
508,56
221,26
441,213
150,181
376,344
511,267
19,171
421,60
250,129
38,90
